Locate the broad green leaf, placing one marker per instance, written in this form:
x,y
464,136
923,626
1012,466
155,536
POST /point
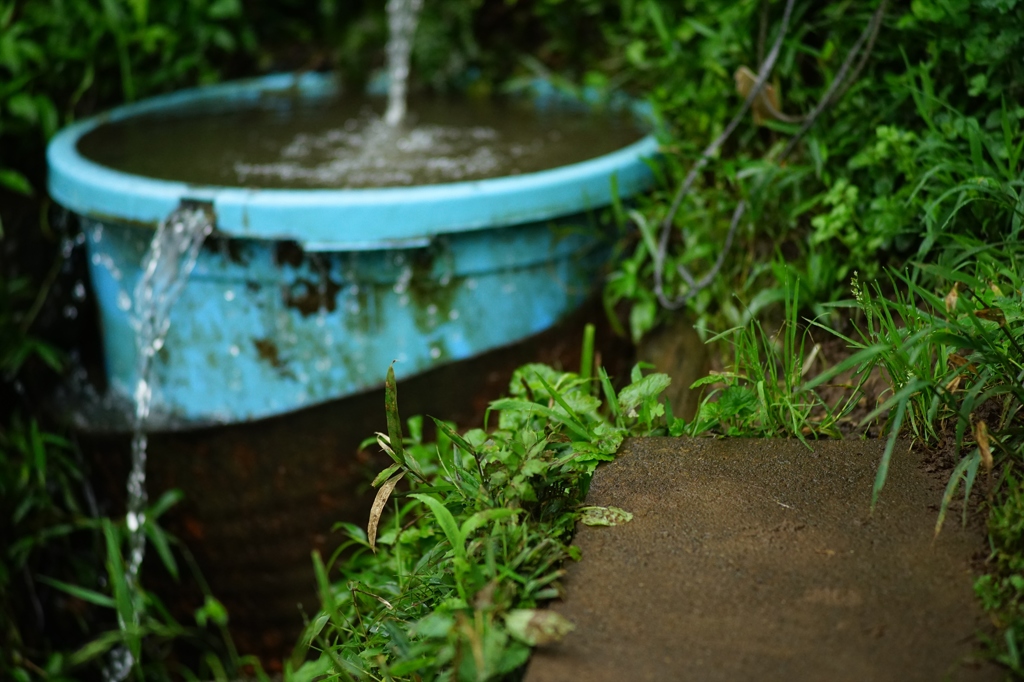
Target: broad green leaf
x,y
648,387
481,517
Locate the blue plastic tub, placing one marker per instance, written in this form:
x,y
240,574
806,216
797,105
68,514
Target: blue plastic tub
x,y
307,295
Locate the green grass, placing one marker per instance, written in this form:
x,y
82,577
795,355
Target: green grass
x,y
763,392
460,556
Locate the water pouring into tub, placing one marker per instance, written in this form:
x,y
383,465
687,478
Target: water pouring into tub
x,y
352,229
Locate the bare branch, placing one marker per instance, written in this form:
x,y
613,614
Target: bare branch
x,y
711,150
840,84
698,286
834,91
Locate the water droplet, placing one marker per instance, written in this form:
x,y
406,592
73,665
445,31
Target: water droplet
x,y
229,295
403,280
96,259
508,287
70,312
124,301
403,300
134,521
323,364
79,291
453,314
471,284
435,352
234,350
431,309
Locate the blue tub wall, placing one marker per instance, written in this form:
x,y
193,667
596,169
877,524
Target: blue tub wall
x,y
263,328
424,275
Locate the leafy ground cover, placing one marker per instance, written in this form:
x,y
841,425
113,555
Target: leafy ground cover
x,y
448,585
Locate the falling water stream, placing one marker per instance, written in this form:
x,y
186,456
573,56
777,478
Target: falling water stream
x,y
165,268
402,18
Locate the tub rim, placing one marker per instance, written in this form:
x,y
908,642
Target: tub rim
x,y
333,219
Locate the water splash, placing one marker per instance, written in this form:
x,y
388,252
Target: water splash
x,y
165,268
402,19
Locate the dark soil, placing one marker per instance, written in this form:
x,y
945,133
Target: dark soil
x,y
759,560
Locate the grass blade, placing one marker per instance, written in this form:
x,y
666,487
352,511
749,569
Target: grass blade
x,y
394,422
951,486
883,466
446,520
82,593
587,355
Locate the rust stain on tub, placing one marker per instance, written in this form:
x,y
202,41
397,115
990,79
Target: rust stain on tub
x,y
268,351
288,252
310,297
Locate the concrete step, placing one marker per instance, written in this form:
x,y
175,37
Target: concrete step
x,y
759,560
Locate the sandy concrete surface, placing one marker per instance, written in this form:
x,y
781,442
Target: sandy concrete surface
x,y
758,560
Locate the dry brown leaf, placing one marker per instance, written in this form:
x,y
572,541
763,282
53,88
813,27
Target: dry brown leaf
x,y
538,627
955,360
766,105
378,507
954,383
952,297
605,516
981,435
992,315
